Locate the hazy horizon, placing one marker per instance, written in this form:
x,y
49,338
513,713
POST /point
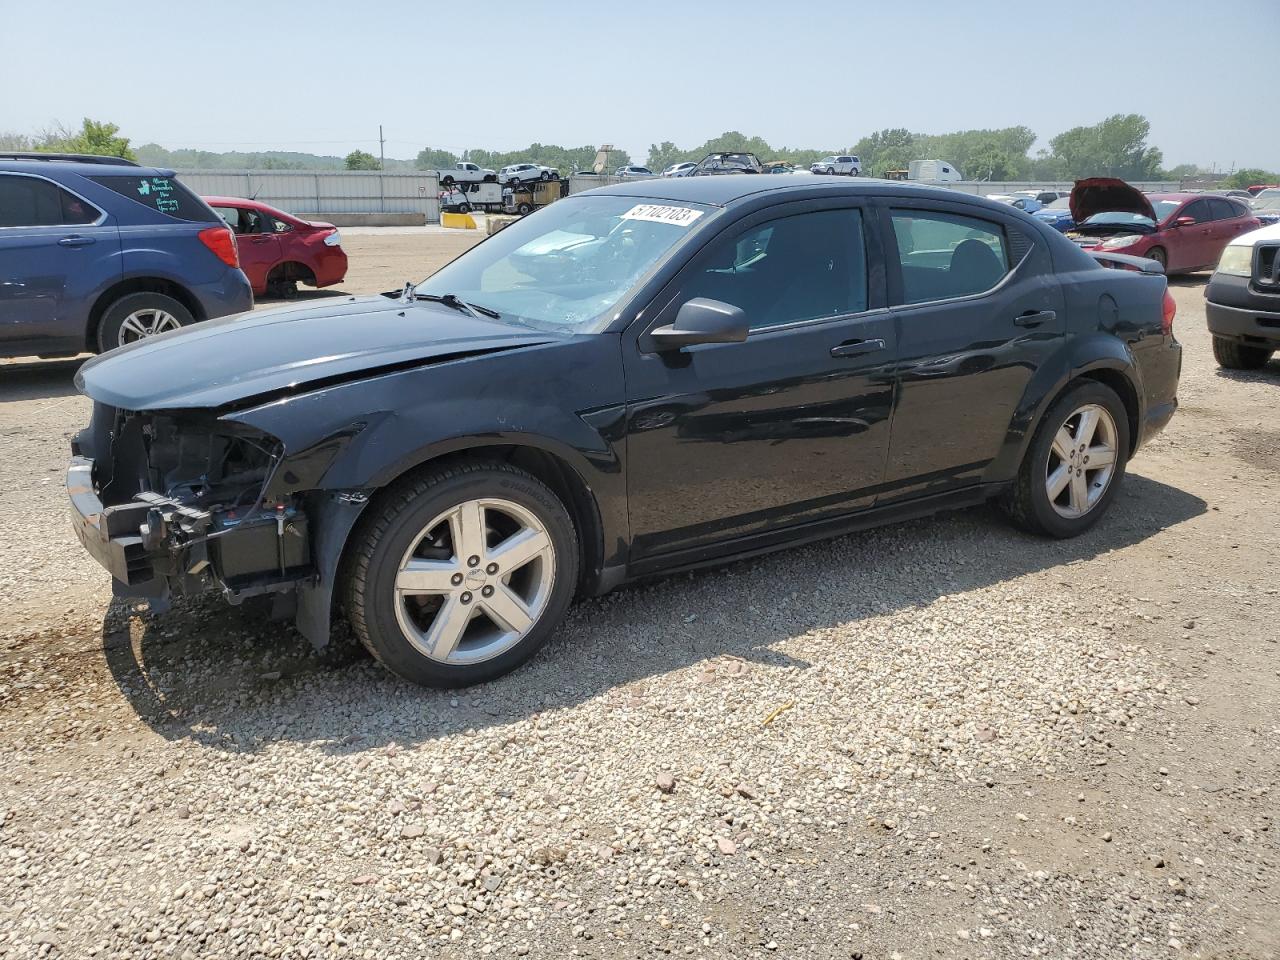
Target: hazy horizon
x,y
325,77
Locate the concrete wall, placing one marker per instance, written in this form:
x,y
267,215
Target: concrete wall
x,y
327,195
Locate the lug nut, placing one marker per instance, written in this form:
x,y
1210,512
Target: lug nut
x,y
473,561
487,592
491,569
456,579
465,598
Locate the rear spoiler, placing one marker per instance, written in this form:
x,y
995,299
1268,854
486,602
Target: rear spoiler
x,y
1123,261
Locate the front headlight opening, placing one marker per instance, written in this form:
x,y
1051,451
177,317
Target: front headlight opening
x,y
1236,261
1116,242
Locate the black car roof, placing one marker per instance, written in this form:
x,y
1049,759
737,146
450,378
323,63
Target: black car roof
x,y
723,189
91,168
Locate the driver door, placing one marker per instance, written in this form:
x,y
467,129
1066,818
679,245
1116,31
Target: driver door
x,y
727,440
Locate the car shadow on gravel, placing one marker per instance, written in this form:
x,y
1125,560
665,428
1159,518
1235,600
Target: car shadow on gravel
x,y
230,680
39,379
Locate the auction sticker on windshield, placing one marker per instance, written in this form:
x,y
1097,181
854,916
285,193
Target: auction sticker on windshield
x,y
656,213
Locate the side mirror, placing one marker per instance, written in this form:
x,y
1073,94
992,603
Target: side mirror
x,y
701,320
1185,222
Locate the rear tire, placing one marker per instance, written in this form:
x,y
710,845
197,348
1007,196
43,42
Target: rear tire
x,y
1232,355
1054,450
447,181
426,589
137,316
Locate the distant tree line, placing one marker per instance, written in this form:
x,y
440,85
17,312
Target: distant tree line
x,y
1117,147
564,159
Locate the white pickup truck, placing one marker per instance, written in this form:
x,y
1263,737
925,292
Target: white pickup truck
x,y
466,173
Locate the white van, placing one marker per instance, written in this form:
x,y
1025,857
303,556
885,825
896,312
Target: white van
x,y
935,171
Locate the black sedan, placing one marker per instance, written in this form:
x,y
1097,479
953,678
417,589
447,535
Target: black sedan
x,y
638,379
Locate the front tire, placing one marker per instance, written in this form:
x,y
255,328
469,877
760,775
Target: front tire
x,y
458,574
1237,356
1074,465
137,316
1159,256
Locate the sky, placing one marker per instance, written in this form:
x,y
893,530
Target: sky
x,y
320,76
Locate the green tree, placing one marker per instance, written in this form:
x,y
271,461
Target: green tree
x,y
1248,176
1116,147
431,159
94,136
359,160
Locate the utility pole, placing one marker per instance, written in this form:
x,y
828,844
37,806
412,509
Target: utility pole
x,y
382,169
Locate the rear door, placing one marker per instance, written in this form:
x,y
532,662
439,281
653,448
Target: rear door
x,y
727,440
1193,244
978,311
56,250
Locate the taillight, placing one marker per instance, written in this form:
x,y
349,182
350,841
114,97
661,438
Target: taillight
x,y
1170,309
223,244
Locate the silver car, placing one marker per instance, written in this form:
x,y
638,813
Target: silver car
x,y
847,165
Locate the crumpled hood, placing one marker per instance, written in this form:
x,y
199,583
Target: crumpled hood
x,y
1108,195
253,355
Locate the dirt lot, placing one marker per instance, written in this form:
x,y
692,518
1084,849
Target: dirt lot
x,y
943,739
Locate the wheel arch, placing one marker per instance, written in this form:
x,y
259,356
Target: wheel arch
x,y
130,285
291,270
543,462
1103,360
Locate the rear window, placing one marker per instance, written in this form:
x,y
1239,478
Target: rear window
x,y
162,194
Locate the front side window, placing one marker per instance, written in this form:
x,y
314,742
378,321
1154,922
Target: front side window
x,y
279,226
803,267
565,267
945,255
33,202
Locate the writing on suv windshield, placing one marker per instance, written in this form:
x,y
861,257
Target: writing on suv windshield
x,y
564,267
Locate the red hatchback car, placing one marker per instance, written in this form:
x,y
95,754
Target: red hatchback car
x,y
1183,231
278,250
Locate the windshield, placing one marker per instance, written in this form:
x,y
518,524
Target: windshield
x,y
1115,219
1062,203
564,267
1268,203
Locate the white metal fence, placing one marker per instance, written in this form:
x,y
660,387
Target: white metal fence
x,y
308,193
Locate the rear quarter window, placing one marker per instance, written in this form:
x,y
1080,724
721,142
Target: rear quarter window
x,y
161,194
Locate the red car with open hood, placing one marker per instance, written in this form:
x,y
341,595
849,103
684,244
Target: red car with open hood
x,y
278,250
1182,231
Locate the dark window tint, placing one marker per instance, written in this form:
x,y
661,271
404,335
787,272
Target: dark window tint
x,y
804,267
32,202
243,220
944,255
1198,211
162,194
1223,209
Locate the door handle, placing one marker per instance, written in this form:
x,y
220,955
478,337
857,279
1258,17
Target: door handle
x,y
1033,318
856,348
75,241
260,240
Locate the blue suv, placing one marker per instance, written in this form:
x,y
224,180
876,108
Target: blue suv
x,y
97,252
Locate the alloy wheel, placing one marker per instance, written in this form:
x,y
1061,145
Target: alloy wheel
x,y
1082,461
474,581
147,323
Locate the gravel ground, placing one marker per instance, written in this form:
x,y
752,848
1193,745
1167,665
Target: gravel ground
x,y
938,739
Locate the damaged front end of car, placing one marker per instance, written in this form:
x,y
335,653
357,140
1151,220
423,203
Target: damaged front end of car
x,y
179,503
